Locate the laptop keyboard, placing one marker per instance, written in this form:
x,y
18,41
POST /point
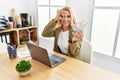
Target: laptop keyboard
x,y
54,59
54,56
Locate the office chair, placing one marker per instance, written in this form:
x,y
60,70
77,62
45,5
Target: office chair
x,y
86,51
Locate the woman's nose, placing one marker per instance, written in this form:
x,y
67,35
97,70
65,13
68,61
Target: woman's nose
x,y
66,18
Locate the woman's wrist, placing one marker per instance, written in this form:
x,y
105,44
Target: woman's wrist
x,y
71,41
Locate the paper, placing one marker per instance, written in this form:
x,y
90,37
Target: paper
x,y
23,53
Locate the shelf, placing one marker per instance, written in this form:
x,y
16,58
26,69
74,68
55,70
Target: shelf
x,y
14,29
17,33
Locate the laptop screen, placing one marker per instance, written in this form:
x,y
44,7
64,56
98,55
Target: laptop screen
x,y
40,54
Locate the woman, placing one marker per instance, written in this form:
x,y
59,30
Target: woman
x,y
60,28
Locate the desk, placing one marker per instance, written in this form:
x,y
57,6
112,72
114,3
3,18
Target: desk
x,y
71,69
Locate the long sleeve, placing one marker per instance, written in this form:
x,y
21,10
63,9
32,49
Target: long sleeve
x,y
48,30
75,48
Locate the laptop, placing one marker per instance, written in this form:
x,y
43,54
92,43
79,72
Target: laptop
x,y
41,54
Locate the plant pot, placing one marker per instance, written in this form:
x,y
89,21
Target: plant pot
x,y
22,43
23,67
24,73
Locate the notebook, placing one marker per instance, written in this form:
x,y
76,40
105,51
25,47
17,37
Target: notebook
x,y
41,54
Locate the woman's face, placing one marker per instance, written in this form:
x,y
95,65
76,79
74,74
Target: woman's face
x,y
66,19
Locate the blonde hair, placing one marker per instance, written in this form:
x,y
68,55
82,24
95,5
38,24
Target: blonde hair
x,y
73,19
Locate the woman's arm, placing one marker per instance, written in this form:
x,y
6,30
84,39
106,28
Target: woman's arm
x,y
49,29
75,44
74,48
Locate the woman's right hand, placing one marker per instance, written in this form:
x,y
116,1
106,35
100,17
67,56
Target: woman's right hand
x,y
59,15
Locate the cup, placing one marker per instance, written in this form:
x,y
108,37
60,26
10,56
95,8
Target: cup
x,y
79,27
12,52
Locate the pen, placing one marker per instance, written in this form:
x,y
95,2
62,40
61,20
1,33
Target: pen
x,y
16,46
10,46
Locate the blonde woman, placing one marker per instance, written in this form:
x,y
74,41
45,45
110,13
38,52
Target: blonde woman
x,y
60,28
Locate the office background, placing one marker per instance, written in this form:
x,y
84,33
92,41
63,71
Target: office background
x,y
31,7
82,10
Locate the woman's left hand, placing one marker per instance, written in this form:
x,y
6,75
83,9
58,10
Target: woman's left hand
x,y
77,36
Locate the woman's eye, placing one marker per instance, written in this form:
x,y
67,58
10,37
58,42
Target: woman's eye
x,y
68,16
62,16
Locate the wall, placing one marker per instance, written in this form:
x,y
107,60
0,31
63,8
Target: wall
x,y
32,7
21,6
83,11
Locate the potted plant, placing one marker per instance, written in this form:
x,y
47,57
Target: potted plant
x,y
23,67
22,40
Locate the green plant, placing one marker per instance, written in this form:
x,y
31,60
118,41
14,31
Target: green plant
x,y
23,66
22,39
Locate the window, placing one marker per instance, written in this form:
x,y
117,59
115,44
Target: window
x,y
47,10
105,36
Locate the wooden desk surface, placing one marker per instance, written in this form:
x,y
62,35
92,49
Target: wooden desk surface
x,y
71,69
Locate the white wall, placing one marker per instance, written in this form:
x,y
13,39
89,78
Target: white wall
x,y
83,11
32,7
21,6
